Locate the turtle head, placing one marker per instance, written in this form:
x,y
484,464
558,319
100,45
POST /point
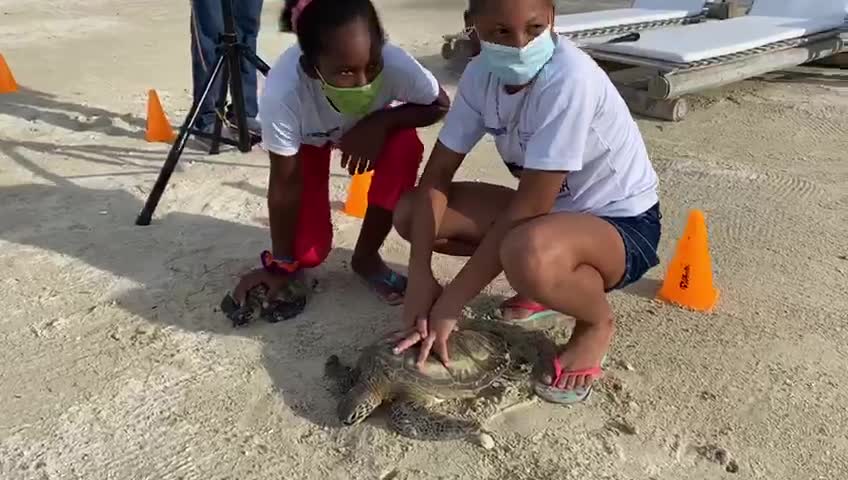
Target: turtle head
x,y
359,403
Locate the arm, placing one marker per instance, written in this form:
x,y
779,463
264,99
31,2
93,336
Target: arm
x,y
281,127
430,202
412,115
462,129
362,144
424,100
284,188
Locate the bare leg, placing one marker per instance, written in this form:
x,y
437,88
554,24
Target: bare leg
x,y
566,261
472,209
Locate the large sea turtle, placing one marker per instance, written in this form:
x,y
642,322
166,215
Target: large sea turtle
x,y
491,364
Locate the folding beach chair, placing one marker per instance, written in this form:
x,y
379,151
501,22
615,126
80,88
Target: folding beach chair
x,y
776,34
642,15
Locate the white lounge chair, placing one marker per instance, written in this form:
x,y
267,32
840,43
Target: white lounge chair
x,y
642,15
775,34
598,25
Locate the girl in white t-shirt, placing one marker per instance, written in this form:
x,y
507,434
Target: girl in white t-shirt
x,y
584,219
338,88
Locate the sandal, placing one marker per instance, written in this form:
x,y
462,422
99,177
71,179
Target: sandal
x,y
388,284
538,311
570,396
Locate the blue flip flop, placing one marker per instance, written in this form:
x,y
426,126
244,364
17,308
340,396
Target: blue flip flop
x,y
385,284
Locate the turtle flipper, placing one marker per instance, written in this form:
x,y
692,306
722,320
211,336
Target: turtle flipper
x,y
412,419
242,315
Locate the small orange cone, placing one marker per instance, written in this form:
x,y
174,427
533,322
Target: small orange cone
x,y
158,127
689,279
7,80
357,194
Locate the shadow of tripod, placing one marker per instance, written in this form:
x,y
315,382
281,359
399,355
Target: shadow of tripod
x,y
228,64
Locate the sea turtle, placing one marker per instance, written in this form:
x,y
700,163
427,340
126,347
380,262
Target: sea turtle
x,y
490,363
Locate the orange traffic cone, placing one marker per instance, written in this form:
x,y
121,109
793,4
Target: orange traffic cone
x,y
357,194
158,127
689,279
7,80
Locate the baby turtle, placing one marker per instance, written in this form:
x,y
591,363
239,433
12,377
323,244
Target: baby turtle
x,y
486,364
287,305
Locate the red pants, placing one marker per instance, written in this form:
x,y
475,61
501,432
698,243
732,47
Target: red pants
x,y
395,172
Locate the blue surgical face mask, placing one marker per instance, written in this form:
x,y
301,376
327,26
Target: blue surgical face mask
x,y
517,66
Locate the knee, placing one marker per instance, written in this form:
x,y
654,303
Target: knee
x,y
527,255
402,217
404,147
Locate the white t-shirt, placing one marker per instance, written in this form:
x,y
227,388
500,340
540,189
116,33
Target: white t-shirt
x,y
293,109
571,118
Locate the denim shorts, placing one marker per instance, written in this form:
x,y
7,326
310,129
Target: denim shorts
x,y
641,236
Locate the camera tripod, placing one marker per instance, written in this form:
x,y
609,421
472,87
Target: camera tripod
x,y
230,56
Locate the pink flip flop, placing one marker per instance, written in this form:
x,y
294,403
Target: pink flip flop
x,y
571,396
538,311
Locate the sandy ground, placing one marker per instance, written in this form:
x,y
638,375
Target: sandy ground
x,y
116,363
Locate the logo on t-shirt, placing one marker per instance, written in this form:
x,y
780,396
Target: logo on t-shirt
x,y
564,187
495,132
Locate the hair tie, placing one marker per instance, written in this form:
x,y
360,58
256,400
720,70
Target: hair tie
x,y
296,11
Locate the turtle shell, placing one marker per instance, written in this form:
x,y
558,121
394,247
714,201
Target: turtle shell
x,y
477,358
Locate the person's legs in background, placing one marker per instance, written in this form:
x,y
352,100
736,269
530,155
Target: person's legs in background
x,y
207,23
248,15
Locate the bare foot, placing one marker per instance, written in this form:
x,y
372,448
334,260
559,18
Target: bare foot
x,y
585,350
390,286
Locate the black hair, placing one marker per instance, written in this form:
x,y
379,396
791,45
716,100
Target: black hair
x,y
477,6
321,16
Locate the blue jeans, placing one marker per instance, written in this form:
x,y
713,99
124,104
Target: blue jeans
x,y
641,236
207,24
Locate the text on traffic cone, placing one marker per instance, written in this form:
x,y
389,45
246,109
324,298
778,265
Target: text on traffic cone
x,y
689,278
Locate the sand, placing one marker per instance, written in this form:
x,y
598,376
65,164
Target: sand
x,y
116,363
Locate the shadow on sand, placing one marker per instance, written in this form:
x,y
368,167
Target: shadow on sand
x,y
33,105
179,269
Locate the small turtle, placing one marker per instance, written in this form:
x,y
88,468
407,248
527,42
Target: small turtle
x,y
486,364
287,305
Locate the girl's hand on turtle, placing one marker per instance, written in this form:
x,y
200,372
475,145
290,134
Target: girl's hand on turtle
x,y
252,279
442,323
361,145
422,291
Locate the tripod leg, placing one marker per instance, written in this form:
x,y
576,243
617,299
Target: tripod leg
x,y
236,85
237,94
257,62
219,110
176,150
